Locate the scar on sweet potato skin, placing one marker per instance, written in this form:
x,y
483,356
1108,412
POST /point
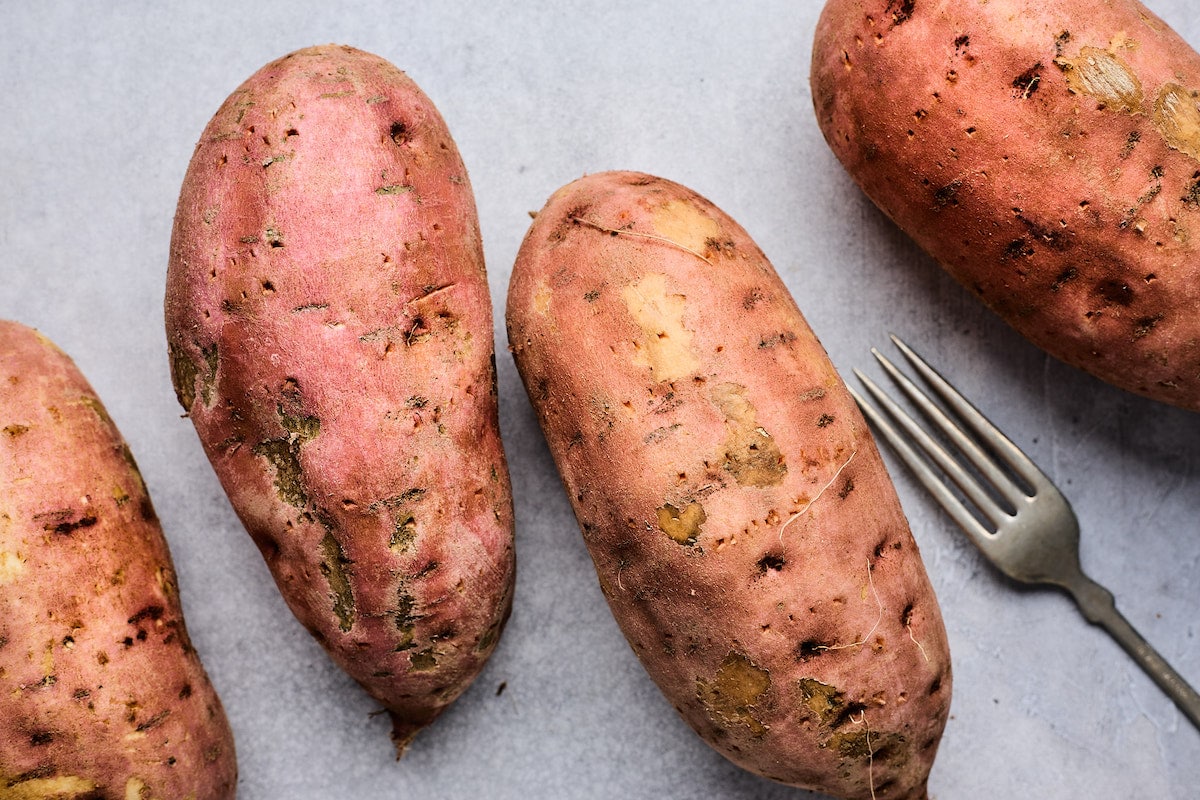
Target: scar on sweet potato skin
x,y
732,694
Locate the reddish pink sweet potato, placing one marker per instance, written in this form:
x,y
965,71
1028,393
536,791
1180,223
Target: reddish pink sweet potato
x,y
743,528
1047,154
101,691
330,332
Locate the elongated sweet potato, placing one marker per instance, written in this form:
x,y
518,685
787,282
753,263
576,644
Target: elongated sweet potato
x,y
1047,154
743,528
101,691
330,333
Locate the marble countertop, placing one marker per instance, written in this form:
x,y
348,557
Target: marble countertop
x,y
100,109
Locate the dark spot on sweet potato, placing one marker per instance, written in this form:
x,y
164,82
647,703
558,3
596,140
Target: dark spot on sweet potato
x,y
774,340
37,773
1045,234
847,488
15,430
809,648
154,721
1191,196
901,11
1018,248
1066,276
1028,82
399,133
406,619
1060,42
41,738
185,691
825,420
1115,291
962,41
771,561
335,566
66,528
946,195
151,612
1144,325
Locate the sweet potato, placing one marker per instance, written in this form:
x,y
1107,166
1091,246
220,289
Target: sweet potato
x,y
1047,154
330,335
742,526
101,691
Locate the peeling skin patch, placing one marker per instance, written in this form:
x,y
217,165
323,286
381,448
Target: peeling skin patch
x,y
284,455
12,567
686,225
1177,118
183,377
38,786
843,729
682,525
1102,75
406,619
825,702
423,661
541,299
184,372
751,454
335,568
666,345
404,533
734,692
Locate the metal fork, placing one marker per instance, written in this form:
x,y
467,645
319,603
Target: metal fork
x,y
1035,539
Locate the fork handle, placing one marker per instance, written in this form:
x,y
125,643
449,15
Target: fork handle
x,y
1099,607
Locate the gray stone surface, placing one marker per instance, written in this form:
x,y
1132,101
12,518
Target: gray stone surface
x,y
100,107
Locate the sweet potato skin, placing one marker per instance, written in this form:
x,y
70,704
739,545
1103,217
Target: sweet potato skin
x,y
742,526
1047,154
101,691
330,332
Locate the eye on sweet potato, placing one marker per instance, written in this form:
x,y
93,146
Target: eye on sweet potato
x,y
1046,154
101,691
742,526
330,335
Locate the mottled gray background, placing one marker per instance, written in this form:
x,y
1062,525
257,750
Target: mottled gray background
x,y
100,106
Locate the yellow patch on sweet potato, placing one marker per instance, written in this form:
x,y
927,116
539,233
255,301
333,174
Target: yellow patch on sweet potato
x,y
685,224
1177,117
732,695
1104,76
751,455
682,525
665,345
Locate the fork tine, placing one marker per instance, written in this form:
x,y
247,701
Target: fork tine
x,y
925,474
946,462
976,421
975,454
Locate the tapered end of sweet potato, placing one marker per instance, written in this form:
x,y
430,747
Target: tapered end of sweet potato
x,y
404,730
